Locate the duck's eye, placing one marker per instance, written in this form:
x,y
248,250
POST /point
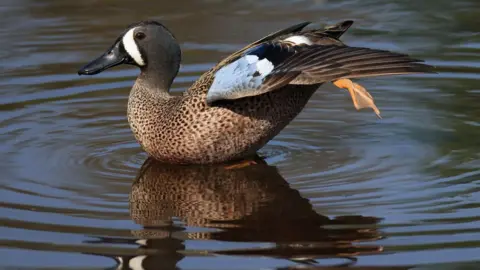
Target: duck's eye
x,y
139,35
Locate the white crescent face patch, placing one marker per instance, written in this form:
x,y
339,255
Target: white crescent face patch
x,y
131,47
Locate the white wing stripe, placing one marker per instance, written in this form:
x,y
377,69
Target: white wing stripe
x,y
297,40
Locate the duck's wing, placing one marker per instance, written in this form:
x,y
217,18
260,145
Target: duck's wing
x,y
287,31
296,57
329,35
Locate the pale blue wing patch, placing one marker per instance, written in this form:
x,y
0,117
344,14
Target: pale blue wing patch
x,y
239,79
254,73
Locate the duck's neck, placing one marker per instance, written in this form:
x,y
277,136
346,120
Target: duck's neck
x,y
151,90
146,91
149,107
157,78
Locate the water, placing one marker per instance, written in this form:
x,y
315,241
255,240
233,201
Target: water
x,y
338,187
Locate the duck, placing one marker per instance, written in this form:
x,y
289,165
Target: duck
x,y
236,107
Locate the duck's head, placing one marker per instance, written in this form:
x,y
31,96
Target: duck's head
x,y
147,44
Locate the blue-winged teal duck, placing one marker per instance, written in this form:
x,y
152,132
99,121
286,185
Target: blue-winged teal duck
x,y
240,104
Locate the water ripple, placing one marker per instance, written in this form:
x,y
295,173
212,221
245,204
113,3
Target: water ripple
x,y
338,181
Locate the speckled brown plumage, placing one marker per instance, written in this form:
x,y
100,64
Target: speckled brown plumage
x,y
186,130
195,128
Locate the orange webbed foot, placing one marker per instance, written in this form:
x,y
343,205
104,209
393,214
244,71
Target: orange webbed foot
x,y
360,96
241,164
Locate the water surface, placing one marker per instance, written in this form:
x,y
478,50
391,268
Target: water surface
x,y
337,187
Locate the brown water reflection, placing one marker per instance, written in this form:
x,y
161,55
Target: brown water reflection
x,y
247,205
69,158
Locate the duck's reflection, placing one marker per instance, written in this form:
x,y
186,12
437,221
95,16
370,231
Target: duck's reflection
x,y
249,204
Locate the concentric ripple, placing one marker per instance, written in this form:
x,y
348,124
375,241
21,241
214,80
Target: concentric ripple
x,y
340,186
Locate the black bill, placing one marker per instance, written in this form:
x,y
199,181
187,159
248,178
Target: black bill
x,y
112,57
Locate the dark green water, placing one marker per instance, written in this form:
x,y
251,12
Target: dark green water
x,y
339,187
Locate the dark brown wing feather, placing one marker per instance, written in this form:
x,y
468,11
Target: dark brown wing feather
x,y
329,35
290,30
337,30
325,36
319,64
